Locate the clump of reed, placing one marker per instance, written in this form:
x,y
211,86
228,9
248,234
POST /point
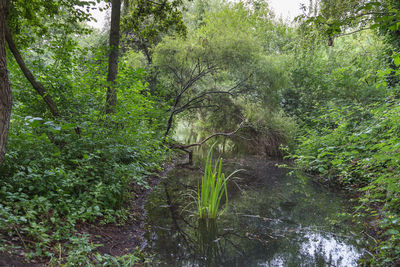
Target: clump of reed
x,y
212,189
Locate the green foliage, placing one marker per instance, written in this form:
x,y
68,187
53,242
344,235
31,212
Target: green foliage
x,y
65,178
147,22
39,19
333,17
212,189
225,57
82,253
357,147
268,130
148,19
58,174
349,112
324,77
233,61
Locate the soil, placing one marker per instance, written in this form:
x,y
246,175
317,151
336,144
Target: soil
x,y
14,261
118,240
115,240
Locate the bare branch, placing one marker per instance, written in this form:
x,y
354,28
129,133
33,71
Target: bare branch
x,y
200,75
353,32
180,79
204,106
198,99
240,83
185,147
195,67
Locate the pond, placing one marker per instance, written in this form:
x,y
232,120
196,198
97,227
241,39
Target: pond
x,y
274,218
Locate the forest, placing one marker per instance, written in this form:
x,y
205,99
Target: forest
x,y
104,134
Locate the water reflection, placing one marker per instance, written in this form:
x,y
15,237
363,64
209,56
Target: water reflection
x,y
274,220
330,249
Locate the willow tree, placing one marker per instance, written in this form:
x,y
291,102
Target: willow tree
x,y
220,61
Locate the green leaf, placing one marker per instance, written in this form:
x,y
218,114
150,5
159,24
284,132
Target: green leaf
x,y
396,60
392,232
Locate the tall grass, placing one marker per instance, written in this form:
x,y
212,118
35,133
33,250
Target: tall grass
x,y
212,189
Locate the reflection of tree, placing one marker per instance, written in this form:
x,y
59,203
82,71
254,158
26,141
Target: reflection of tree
x,y
262,226
185,238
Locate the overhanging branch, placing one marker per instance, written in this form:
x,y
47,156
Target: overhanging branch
x,y
185,147
198,99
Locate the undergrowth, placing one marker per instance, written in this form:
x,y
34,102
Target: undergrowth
x,y
57,175
358,148
79,168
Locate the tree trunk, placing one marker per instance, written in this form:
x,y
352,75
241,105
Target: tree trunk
x,y
28,74
111,101
5,89
169,123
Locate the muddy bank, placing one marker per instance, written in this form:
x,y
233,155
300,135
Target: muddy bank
x,y
118,240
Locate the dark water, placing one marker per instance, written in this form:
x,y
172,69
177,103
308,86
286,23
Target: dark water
x,y
273,219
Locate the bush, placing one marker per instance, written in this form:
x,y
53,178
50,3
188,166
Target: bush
x,y
267,131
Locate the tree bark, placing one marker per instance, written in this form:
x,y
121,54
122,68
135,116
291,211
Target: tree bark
x,y
111,100
28,74
5,89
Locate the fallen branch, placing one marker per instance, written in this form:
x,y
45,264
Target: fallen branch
x,y
190,152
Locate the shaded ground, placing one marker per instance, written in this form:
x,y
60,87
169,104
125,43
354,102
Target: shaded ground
x,y
118,240
14,261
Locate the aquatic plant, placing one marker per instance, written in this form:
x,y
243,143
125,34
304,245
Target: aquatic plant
x,y
212,188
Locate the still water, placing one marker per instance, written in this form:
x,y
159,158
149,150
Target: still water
x,y
274,218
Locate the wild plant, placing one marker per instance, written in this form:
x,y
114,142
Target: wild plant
x,y
212,188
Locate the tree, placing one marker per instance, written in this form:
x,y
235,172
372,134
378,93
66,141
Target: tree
x,y
5,90
111,100
28,74
145,22
336,18
38,23
339,17
221,60
9,14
